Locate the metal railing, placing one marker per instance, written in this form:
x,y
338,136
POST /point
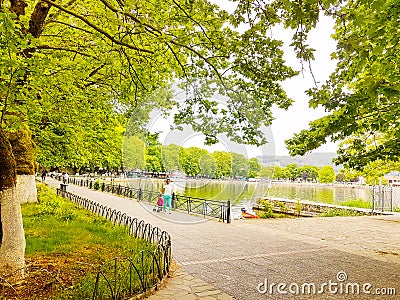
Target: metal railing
x,y
120,278
382,198
207,208
124,277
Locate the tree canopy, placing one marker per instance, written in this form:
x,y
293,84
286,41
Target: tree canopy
x,y
362,95
65,63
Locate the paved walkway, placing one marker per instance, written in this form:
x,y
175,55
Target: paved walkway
x,y
274,258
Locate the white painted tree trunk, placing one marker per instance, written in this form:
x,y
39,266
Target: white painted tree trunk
x,y
26,188
12,250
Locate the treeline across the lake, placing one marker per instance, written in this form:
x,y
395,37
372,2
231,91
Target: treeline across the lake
x,y
151,156
147,154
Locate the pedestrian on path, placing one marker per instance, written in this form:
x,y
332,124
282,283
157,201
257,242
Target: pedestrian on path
x,y
167,190
44,175
66,177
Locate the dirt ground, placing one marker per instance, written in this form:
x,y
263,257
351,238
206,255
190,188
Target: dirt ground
x,y
47,275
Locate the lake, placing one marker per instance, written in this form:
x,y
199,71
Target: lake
x,y
249,192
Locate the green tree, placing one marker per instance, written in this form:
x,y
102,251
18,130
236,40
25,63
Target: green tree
x,y
326,174
294,171
280,173
223,162
170,157
133,153
190,160
362,94
254,167
267,172
349,174
207,166
240,165
309,172
375,171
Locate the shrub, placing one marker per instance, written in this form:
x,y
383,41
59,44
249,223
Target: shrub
x,y
96,184
267,211
50,204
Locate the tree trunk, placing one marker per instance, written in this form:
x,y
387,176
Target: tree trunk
x,y
26,188
24,154
12,250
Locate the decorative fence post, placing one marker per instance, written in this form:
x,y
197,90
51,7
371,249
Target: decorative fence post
x,y
228,211
140,194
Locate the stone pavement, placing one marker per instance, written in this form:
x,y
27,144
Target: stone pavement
x,y
308,258
183,286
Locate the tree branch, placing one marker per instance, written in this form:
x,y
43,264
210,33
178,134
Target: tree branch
x,y
98,29
69,25
39,15
18,7
95,71
152,29
4,110
177,59
127,14
65,49
196,22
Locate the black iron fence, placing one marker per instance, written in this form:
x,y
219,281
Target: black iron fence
x,y
120,278
382,198
125,277
207,208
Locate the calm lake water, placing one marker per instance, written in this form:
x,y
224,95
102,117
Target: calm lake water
x,y
242,192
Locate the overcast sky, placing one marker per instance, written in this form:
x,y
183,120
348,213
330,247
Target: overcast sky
x,y
286,123
299,114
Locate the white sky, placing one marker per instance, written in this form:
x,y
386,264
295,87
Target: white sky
x,y
286,123
298,116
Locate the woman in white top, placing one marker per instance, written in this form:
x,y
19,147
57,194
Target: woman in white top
x,y
167,190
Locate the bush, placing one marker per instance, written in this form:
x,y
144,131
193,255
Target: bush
x,y
267,211
97,184
50,204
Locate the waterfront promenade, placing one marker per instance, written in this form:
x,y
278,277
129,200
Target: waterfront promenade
x,y
239,260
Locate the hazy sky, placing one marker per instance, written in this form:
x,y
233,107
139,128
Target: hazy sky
x,y
286,123
299,114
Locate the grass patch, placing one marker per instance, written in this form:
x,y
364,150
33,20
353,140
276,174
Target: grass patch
x,y
73,242
360,203
337,212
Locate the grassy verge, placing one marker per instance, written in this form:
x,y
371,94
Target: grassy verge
x,y
360,203
72,243
336,212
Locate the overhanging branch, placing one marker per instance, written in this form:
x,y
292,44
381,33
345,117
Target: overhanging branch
x,y
97,28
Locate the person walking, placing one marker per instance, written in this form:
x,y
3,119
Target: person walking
x,y
66,177
44,175
167,190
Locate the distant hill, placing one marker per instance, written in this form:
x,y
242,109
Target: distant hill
x,y
318,159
